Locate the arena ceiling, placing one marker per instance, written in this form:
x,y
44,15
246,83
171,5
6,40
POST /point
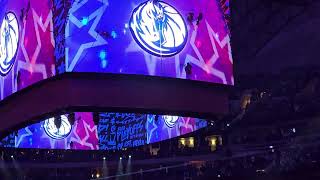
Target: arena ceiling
x,y
272,35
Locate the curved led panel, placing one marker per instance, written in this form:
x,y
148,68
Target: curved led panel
x,y
9,39
115,131
55,133
158,28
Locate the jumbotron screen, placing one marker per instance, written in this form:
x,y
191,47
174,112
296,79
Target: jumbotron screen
x,y
114,131
169,38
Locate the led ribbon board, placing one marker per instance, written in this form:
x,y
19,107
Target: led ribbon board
x,y
55,133
9,38
158,28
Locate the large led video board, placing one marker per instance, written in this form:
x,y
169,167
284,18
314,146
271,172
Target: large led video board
x,y
169,38
115,131
26,44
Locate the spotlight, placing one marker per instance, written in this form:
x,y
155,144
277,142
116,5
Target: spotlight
x,y
104,63
12,156
104,158
114,34
97,175
120,158
102,54
129,156
85,21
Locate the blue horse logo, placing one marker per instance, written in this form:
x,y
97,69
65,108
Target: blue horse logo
x,y
158,28
57,133
9,38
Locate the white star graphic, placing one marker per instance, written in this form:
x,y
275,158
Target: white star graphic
x,y
99,40
152,130
87,128
75,139
44,26
225,42
21,137
200,62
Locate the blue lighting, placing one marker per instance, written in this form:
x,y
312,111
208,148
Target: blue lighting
x,y
85,21
104,63
103,55
114,34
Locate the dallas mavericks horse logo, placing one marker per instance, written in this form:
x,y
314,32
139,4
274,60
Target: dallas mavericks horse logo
x,y
170,120
158,28
9,38
57,133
